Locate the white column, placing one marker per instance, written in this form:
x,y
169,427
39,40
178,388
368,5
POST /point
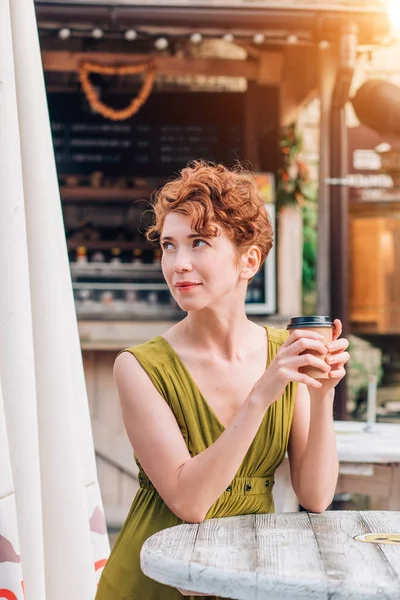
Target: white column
x,y
290,260
16,340
67,463
10,553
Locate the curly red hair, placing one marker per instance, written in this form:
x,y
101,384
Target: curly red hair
x,y
213,195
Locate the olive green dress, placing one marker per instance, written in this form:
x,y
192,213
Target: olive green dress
x,y
249,492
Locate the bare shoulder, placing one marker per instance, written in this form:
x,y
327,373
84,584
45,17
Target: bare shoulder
x,y
125,364
127,369
132,379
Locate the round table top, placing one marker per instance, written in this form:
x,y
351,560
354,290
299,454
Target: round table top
x,y
280,556
378,444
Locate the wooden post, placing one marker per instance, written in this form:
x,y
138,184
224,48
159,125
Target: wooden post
x,y
327,67
339,195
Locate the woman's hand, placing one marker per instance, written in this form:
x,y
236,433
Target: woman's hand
x,y
336,359
291,356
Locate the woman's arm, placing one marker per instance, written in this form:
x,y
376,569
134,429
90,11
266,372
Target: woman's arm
x,y
312,450
191,485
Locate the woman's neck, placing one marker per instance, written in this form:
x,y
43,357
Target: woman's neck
x,y
223,335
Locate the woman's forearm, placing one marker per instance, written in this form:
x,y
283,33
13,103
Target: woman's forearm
x,y
319,467
203,478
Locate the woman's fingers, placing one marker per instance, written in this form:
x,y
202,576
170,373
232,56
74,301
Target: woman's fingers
x,y
338,345
337,329
337,373
298,334
304,344
338,359
309,360
306,379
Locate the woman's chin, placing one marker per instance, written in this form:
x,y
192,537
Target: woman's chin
x,y
191,305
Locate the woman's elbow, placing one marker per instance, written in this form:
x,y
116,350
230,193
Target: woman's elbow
x,y
195,518
316,505
188,514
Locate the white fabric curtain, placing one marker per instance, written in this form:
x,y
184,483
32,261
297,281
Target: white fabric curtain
x,y
62,539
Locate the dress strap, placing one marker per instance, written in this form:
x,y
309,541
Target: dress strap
x,y
277,336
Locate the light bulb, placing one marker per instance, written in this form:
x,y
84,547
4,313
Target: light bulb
x,y
228,37
161,43
323,44
259,38
196,38
64,33
292,39
97,33
130,35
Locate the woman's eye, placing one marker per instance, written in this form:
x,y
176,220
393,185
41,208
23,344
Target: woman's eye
x,y
198,243
167,246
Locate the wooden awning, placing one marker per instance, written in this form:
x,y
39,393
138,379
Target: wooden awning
x,y
321,20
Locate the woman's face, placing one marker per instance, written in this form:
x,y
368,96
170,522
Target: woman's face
x,y
201,272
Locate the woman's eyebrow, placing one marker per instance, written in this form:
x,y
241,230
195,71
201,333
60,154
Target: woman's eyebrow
x,y
168,238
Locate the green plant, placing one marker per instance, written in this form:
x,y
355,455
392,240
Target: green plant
x,y
365,360
294,185
310,213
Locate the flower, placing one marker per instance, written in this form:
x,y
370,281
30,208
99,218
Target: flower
x,y
92,95
293,179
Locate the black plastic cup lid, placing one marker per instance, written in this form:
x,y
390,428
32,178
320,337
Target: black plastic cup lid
x,y
309,321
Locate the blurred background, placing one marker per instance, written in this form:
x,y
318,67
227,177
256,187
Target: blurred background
x,y
307,94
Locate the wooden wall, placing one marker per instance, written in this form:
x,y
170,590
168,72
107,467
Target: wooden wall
x,y
117,470
374,245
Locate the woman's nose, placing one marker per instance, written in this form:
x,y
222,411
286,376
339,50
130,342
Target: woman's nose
x,y
182,263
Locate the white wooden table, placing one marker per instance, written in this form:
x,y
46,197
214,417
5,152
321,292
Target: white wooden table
x,y
369,464
286,556
370,461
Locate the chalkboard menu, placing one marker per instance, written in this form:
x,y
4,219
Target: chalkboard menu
x,y
171,129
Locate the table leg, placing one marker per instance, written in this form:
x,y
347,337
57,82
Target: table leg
x,y
394,496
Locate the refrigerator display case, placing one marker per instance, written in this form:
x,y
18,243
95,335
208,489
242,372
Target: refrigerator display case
x,y
122,291
261,293
116,274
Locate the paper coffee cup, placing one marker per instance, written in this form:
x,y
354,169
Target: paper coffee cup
x,y
323,326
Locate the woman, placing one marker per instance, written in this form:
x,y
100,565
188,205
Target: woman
x,y
212,406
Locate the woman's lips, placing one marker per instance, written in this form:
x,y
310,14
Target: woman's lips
x,y
185,287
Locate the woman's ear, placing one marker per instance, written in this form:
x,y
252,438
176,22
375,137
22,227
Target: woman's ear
x,y
250,262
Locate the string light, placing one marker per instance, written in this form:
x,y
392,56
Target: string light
x,y
130,35
64,33
259,38
161,43
228,37
97,33
196,38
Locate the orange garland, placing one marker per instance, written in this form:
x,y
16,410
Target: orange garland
x,y
86,68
